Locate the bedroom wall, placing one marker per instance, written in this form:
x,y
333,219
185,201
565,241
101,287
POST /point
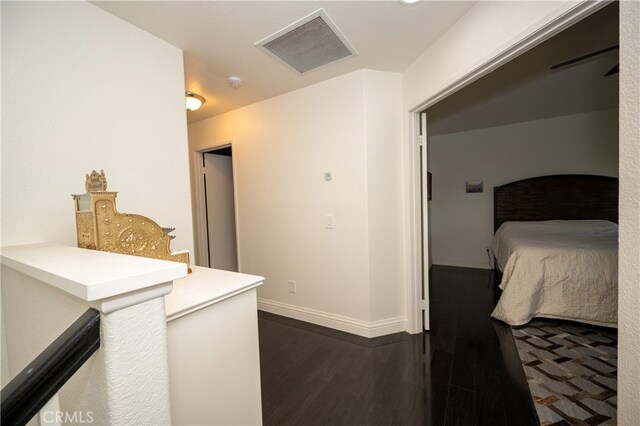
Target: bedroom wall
x,y
462,224
282,147
629,267
83,90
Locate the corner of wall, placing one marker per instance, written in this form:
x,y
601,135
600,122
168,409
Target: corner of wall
x,y
383,134
284,145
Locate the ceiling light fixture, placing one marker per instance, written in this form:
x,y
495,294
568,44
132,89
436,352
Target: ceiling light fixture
x,y
408,2
193,100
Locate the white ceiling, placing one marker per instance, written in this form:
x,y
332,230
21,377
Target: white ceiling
x,y
218,39
525,89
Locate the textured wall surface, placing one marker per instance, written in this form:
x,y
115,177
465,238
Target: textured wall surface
x,y
35,315
124,382
135,342
629,268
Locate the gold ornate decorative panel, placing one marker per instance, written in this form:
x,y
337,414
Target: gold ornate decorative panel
x,y
101,227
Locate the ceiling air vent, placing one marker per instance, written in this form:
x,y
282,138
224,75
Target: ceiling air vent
x,y
308,44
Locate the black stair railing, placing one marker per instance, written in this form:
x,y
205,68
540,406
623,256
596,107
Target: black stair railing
x,y
33,387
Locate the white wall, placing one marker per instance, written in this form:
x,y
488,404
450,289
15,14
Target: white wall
x,y
629,267
282,147
83,90
485,31
383,127
462,224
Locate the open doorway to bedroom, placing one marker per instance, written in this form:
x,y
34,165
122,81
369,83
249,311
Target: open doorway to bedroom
x,y
539,114
551,111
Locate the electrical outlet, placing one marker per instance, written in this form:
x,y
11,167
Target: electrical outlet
x,y
292,286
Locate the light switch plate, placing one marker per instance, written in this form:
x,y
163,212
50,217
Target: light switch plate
x,y
328,221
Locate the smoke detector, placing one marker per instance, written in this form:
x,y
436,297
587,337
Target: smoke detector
x,y
308,44
235,81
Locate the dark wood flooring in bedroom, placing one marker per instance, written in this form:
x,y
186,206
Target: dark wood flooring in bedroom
x,y
465,371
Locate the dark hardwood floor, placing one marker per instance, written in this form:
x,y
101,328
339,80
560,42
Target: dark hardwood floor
x,y
464,371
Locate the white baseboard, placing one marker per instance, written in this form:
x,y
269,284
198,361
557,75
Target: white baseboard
x,y
337,322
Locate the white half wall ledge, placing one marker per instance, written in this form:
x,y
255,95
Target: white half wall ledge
x,y
45,287
204,287
355,326
114,280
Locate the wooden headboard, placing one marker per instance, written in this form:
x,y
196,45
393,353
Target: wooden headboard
x,y
568,197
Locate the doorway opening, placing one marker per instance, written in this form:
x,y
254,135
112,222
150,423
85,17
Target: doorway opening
x,y
220,209
552,110
419,210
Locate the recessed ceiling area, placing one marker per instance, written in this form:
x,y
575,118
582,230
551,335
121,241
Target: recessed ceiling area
x,y
218,39
526,88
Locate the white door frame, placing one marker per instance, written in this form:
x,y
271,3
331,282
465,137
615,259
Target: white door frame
x,y
414,283
199,207
424,204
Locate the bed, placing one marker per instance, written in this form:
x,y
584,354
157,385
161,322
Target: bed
x,y
555,245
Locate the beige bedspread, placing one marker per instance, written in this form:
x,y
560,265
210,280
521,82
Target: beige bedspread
x,y
558,269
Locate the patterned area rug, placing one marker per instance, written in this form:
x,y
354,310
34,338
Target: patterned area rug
x,y
572,371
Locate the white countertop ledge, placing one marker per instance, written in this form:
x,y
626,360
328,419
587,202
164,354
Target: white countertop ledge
x,y
204,287
90,274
